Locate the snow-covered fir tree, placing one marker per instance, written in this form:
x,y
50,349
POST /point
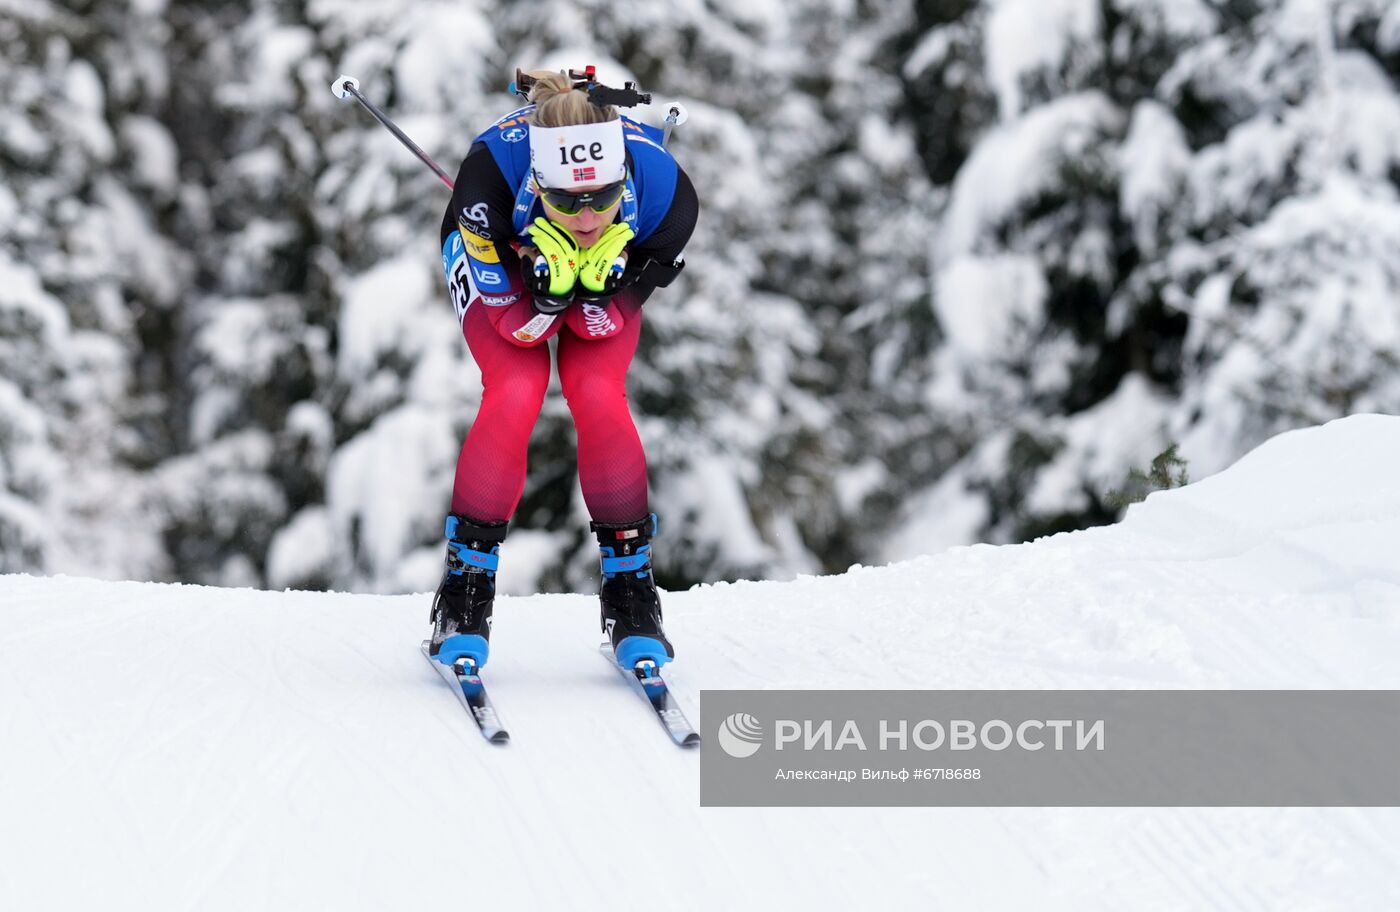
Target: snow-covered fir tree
x,y
960,267
1175,223
91,272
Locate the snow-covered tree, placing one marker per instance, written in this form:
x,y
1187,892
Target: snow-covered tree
x,y
1179,226
89,277
961,266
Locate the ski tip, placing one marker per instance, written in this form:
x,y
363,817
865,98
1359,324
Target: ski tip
x,y
690,740
502,737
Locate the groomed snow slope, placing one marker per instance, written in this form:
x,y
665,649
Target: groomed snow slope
x,y
174,747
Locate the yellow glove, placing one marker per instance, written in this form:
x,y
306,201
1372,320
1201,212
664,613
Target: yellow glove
x,y
556,268
603,263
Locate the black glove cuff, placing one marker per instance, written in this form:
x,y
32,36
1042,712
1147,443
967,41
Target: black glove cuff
x,y
549,304
595,297
611,286
654,272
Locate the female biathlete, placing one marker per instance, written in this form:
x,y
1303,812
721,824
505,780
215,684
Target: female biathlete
x,y
565,217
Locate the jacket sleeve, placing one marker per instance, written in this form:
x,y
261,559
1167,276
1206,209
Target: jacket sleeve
x,y
650,261
481,200
478,253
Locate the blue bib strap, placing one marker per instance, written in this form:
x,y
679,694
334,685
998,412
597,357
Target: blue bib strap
x,y
629,203
524,206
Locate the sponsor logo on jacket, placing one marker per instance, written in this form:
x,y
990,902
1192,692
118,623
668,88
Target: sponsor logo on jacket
x,y
490,278
596,320
478,247
477,215
535,328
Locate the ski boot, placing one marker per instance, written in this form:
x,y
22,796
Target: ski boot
x,y
631,607
461,614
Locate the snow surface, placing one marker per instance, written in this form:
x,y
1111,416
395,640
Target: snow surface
x,y
178,747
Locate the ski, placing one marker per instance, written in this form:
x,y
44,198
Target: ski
x,y
647,680
471,693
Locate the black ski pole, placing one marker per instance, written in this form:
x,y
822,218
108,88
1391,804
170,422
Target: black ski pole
x,y
349,87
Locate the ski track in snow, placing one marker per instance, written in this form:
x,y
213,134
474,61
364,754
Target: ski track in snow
x,y
179,747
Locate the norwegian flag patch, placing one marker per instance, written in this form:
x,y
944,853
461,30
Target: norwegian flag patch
x,y
585,174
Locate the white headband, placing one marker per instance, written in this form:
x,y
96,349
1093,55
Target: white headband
x,y
574,156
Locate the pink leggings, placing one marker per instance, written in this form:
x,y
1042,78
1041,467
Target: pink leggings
x,y
612,467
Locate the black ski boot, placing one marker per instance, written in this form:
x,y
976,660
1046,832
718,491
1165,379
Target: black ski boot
x,y
631,606
462,607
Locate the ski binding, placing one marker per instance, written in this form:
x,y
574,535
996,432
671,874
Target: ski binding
x,y
471,693
647,680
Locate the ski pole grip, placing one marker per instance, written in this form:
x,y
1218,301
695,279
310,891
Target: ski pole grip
x,y
345,86
676,114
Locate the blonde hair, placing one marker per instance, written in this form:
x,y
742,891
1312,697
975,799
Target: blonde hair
x,y
559,104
